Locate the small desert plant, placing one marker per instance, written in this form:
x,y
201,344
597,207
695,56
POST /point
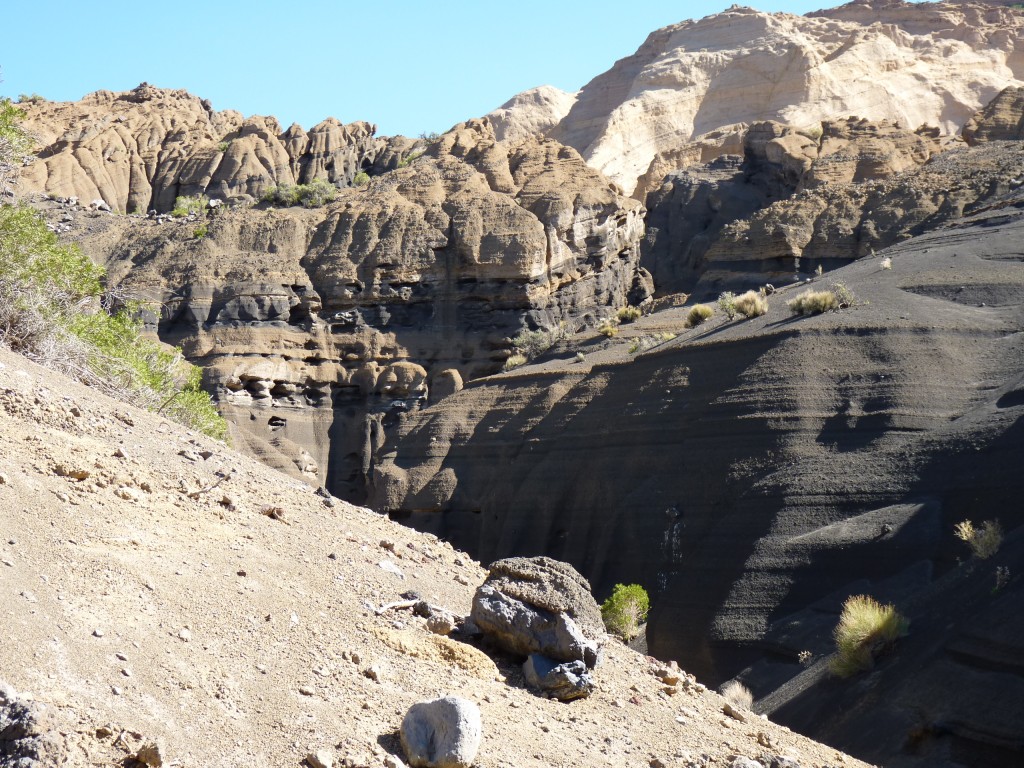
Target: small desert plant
x,y
813,303
430,136
361,179
649,341
514,361
200,232
580,357
628,314
223,146
865,629
820,270
408,159
531,344
625,610
30,98
698,314
887,262
984,540
608,329
750,304
313,195
727,303
843,295
805,658
737,694
190,206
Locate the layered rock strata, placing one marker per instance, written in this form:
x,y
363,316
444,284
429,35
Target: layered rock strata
x,y
316,328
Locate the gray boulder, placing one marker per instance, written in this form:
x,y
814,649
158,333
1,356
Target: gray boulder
x,y
565,682
442,733
539,605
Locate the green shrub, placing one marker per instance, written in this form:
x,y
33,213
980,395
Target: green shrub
x,y
750,304
699,313
317,193
361,179
628,314
51,311
408,159
15,143
844,296
223,146
625,610
727,303
32,98
984,541
190,206
531,344
865,629
200,232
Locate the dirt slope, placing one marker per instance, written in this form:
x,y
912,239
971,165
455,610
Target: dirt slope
x,y
135,612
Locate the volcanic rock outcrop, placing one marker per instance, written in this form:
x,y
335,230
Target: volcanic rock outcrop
x,y
910,63
139,150
317,327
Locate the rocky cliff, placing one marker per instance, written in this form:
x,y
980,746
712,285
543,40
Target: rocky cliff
x,y
316,327
910,63
138,150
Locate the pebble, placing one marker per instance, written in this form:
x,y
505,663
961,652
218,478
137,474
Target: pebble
x,y
121,656
4,479
320,759
98,633
185,635
126,672
115,690
306,690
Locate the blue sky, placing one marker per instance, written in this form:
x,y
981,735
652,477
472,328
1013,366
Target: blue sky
x,y
408,66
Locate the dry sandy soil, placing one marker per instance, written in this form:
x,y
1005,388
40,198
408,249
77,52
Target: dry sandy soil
x,y
152,600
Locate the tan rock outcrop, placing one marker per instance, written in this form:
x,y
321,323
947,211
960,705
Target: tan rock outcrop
x,y
910,63
531,113
1002,119
140,149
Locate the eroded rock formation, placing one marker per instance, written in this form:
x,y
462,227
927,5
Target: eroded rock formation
x,y
910,63
140,149
317,327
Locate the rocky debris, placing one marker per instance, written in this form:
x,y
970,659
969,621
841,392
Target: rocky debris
x,y
442,733
691,79
322,758
25,739
1002,119
539,605
566,681
149,755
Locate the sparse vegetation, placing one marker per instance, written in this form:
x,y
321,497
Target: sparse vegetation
x,y
408,159
626,610
628,314
361,179
580,357
53,310
30,98
819,270
699,313
984,540
608,329
317,193
430,136
514,361
866,628
805,658
190,206
737,694
887,262
750,304
223,146
813,303
15,143
200,232
649,341
843,295
531,344
727,303
1002,578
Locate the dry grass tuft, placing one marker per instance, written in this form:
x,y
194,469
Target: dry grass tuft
x,y
737,694
813,303
751,304
698,314
984,541
865,629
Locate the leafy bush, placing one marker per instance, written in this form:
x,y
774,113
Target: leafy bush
x,y
361,179
15,143
317,193
223,146
625,610
843,295
608,329
727,303
865,629
190,206
200,232
737,694
698,314
531,344
628,314
984,541
408,159
51,311
750,304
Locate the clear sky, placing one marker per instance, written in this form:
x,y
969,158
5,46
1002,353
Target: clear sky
x,y
409,66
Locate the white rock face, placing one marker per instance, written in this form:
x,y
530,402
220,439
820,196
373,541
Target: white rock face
x,y
531,113
934,63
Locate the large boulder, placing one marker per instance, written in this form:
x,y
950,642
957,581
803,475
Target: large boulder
x,y
442,733
539,605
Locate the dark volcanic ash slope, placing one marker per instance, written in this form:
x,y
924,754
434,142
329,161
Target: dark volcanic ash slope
x,y
745,471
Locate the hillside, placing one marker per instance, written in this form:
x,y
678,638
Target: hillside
x,y
151,601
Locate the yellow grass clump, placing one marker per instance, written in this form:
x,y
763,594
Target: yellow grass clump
x,y
865,629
